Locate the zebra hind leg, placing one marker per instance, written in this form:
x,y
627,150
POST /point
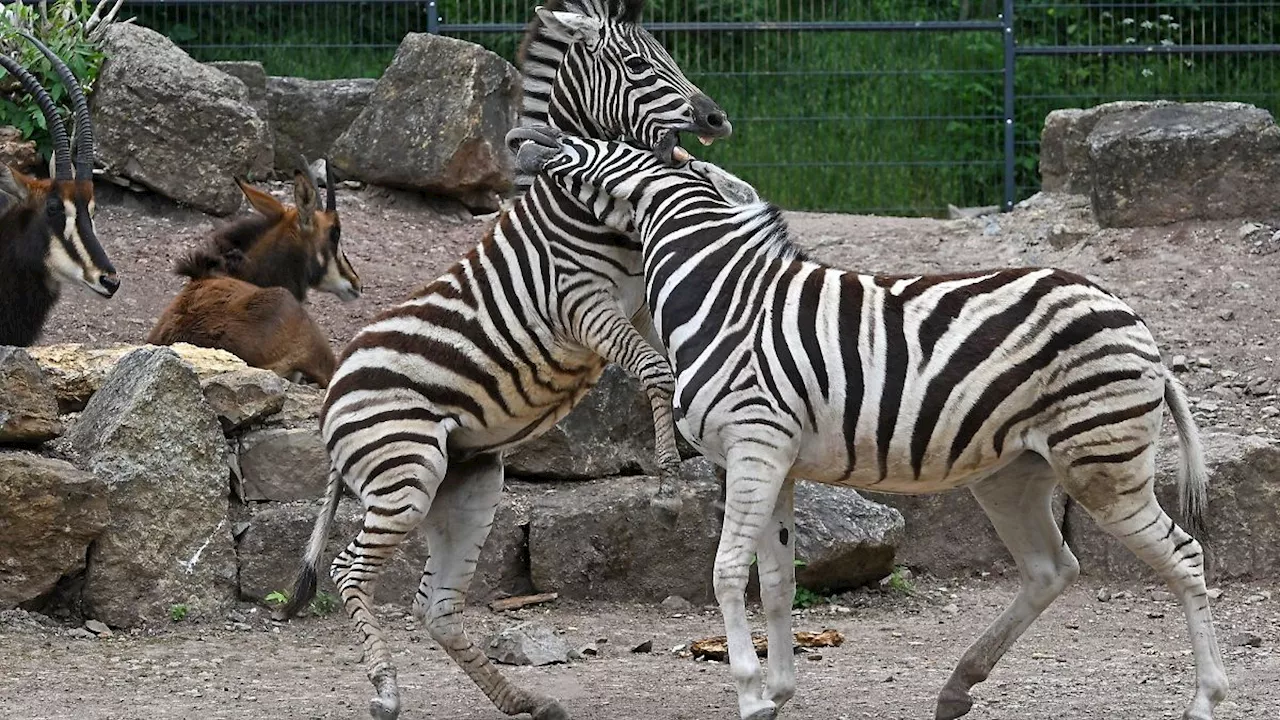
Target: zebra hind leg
x,y
1124,504
388,518
1019,501
777,568
456,528
756,471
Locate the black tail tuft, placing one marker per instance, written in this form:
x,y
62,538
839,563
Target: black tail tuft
x,y
303,592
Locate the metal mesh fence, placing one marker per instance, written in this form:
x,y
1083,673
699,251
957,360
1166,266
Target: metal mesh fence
x,y
881,106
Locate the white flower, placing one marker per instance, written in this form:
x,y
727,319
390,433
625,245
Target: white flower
x,y
1147,25
1174,26
1130,40
1166,18
1147,72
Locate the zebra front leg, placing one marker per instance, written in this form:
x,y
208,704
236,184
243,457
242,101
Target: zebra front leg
x,y
777,566
387,519
459,522
754,478
1019,501
616,339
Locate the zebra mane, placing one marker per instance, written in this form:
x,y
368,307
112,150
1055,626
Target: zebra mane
x,y
778,235
540,54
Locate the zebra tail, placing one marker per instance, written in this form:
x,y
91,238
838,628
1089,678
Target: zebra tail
x,y
1193,478
304,590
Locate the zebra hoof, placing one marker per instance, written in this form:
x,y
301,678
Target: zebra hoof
x,y
666,509
550,710
953,704
768,713
384,708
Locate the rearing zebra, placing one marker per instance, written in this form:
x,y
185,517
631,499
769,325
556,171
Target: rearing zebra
x,y
493,353
1007,382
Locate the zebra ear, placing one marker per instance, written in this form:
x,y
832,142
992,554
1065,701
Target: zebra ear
x,y
733,189
571,26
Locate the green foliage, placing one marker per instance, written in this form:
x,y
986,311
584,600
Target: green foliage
x,y
900,582
178,612
806,598
64,32
277,597
324,604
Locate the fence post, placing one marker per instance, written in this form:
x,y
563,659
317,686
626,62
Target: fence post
x,y
1010,149
433,17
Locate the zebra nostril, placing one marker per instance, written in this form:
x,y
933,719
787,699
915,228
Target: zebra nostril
x,y
715,120
109,282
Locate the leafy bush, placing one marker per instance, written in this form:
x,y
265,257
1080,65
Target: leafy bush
x,y
71,28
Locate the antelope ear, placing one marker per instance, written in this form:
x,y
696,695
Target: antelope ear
x,y
261,201
571,26
13,191
307,198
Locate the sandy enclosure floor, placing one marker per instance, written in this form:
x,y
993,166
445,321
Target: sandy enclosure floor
x,y
1124,658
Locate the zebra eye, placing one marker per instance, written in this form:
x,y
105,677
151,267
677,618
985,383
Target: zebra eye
x,y
637,64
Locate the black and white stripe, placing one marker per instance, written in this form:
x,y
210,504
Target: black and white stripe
x,y
1008,382
428,396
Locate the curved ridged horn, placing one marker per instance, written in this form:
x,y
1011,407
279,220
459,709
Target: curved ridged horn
x,y
84,131
61,143
331,197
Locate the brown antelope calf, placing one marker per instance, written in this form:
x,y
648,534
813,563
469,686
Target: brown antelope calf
x,y
47,237
248,280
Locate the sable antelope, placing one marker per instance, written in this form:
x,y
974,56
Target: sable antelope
x,y
47,236
248,281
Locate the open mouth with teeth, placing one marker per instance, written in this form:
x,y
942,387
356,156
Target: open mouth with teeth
x,y
670,151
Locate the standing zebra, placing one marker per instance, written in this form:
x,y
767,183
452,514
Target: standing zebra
x,y
428,396
1007,382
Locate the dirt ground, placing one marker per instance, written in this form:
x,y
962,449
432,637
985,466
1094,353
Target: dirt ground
x,y
1124,658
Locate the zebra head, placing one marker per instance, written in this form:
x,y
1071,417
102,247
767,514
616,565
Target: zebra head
x,y
592,70
617,180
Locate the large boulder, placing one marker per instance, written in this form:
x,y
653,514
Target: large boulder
x,y
49,513
1064,148
153,438
609,433
176,126
843,539
17,152
75,372
283,464
436,122
28,407
601,541
270,552
1243,524
1194,161
308,115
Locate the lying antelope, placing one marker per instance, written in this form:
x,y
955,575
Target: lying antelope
x,y
248,280
47,237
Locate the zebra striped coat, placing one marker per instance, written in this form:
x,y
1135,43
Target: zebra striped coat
x,y
1008,382
428,396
